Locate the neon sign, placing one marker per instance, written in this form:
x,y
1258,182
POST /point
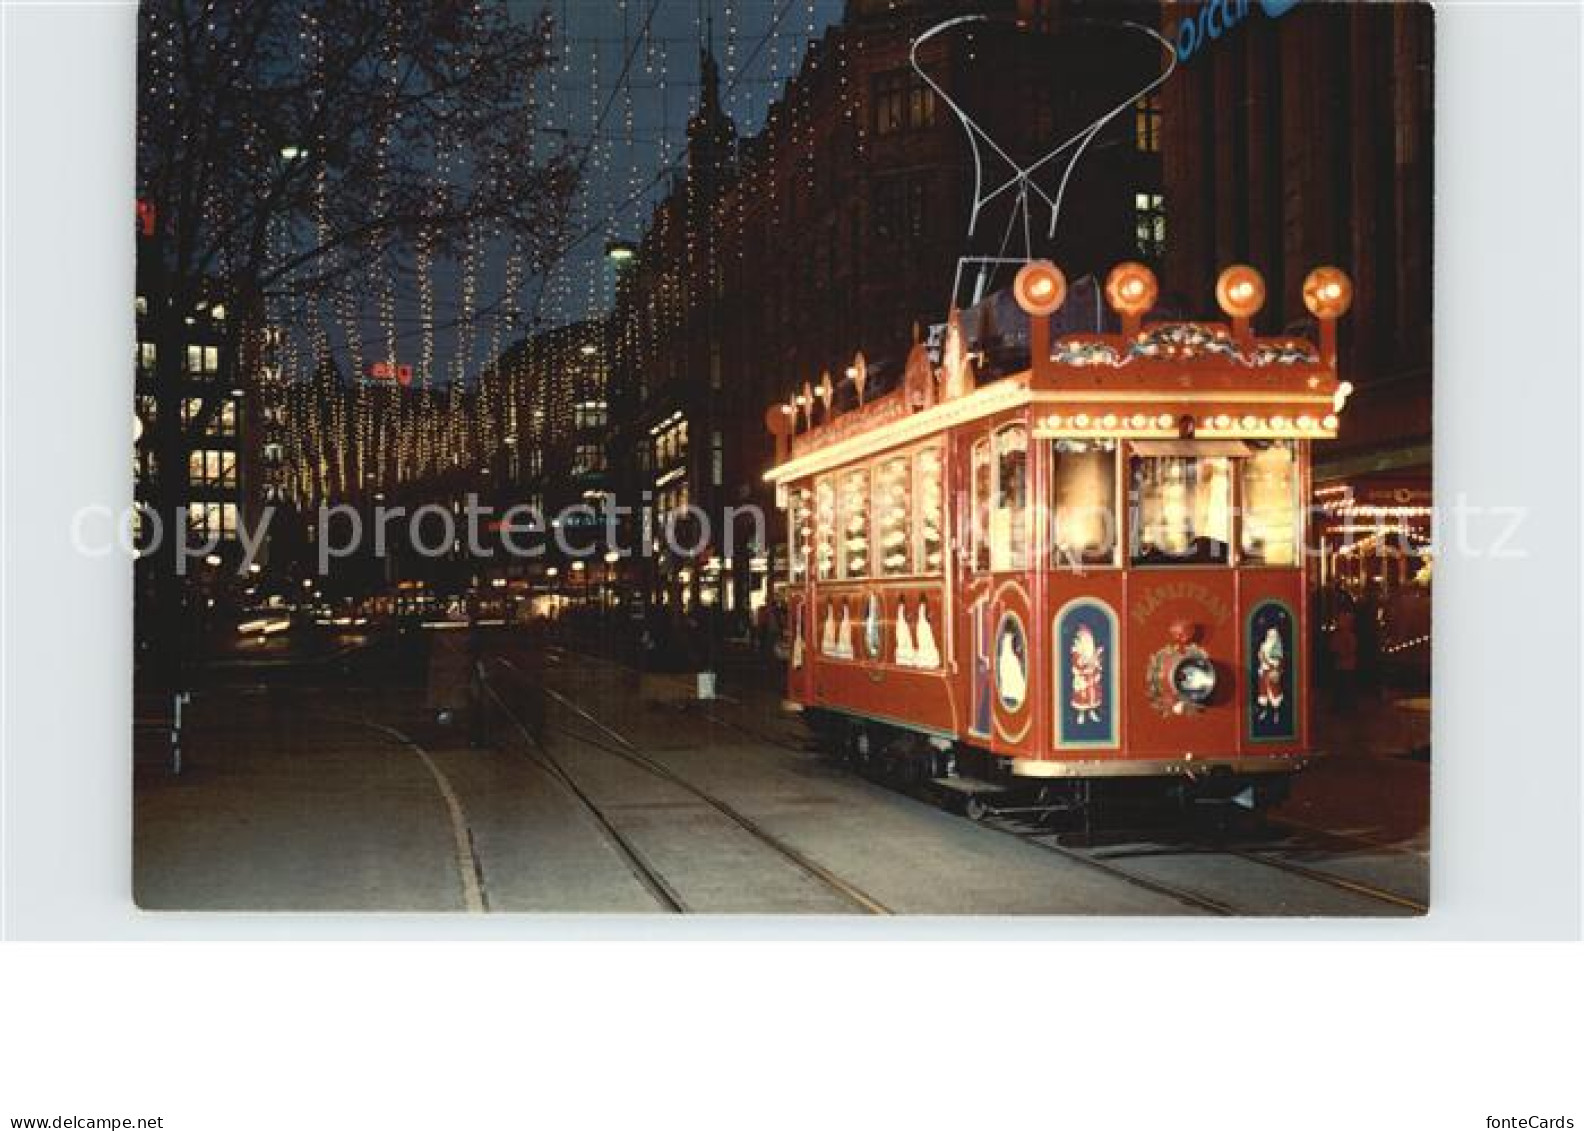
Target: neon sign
x,y
1220,16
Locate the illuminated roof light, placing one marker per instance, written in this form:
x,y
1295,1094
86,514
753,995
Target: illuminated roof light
x,y
1164,420
1131,288
1278,422
1306,423
1040,288
1081,420
1251,422
1109,421
1240,291
1328,292
1223,421
1207,424
1330,423
1139,420
1339,399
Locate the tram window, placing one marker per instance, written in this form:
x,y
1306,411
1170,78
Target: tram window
x,y
1181,509
1009,519
928,508
1085,502
1270,505
800,535
981,506
855,523
893,501
825,528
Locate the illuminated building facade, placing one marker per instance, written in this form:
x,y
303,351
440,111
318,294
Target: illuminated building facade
x,y
837,228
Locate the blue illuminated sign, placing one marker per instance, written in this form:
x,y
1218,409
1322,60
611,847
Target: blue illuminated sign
x,y
1219,16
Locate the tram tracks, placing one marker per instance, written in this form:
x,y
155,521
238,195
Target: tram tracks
x,y
619,746
1114,865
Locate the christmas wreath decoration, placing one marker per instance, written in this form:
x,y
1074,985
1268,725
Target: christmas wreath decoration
x,y
1158,686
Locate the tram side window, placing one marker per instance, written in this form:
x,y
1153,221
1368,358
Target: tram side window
x,y
893,501
1181,509
1009,519
982,480
855,523
1085,502
928,506
825,528
1270,505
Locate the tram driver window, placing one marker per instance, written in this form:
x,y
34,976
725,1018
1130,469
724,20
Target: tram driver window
x,y
1085,503
1009,518
1181,505
1270,505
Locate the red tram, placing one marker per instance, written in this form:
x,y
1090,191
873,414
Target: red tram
x,y
1091,569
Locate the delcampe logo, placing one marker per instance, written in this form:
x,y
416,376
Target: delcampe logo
x,y
1219,16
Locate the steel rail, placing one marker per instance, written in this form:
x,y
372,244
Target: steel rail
x,y
645,873
625,749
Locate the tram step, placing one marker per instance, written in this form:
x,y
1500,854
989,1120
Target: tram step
x,y
969,786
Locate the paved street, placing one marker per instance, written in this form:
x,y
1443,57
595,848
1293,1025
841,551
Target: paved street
x,y
586,796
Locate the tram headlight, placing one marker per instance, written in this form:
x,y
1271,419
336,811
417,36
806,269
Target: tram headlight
x,y
1240,291
1040,288
1328,292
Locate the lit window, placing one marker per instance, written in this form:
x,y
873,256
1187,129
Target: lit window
x,y
1147,123
1009,520
1149,224
855,524
147,354
893,500
1181,508
983,480
1270,505
903,101
212,520
212,468
195,359
1085,503
211,359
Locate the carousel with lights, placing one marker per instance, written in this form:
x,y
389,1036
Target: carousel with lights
x,y
1088,574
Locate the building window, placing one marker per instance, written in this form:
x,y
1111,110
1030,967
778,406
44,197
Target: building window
x,y
203,360
212,468
147,355
899,209
717,458
589,414
589,458
1147,124
207,521
903,102
1149,224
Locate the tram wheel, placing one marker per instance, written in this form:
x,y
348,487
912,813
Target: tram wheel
x,y
975,810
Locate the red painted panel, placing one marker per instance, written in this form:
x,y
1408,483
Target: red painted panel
x,y
1170,612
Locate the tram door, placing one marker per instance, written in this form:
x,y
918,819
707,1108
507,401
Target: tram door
x,y
995,646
